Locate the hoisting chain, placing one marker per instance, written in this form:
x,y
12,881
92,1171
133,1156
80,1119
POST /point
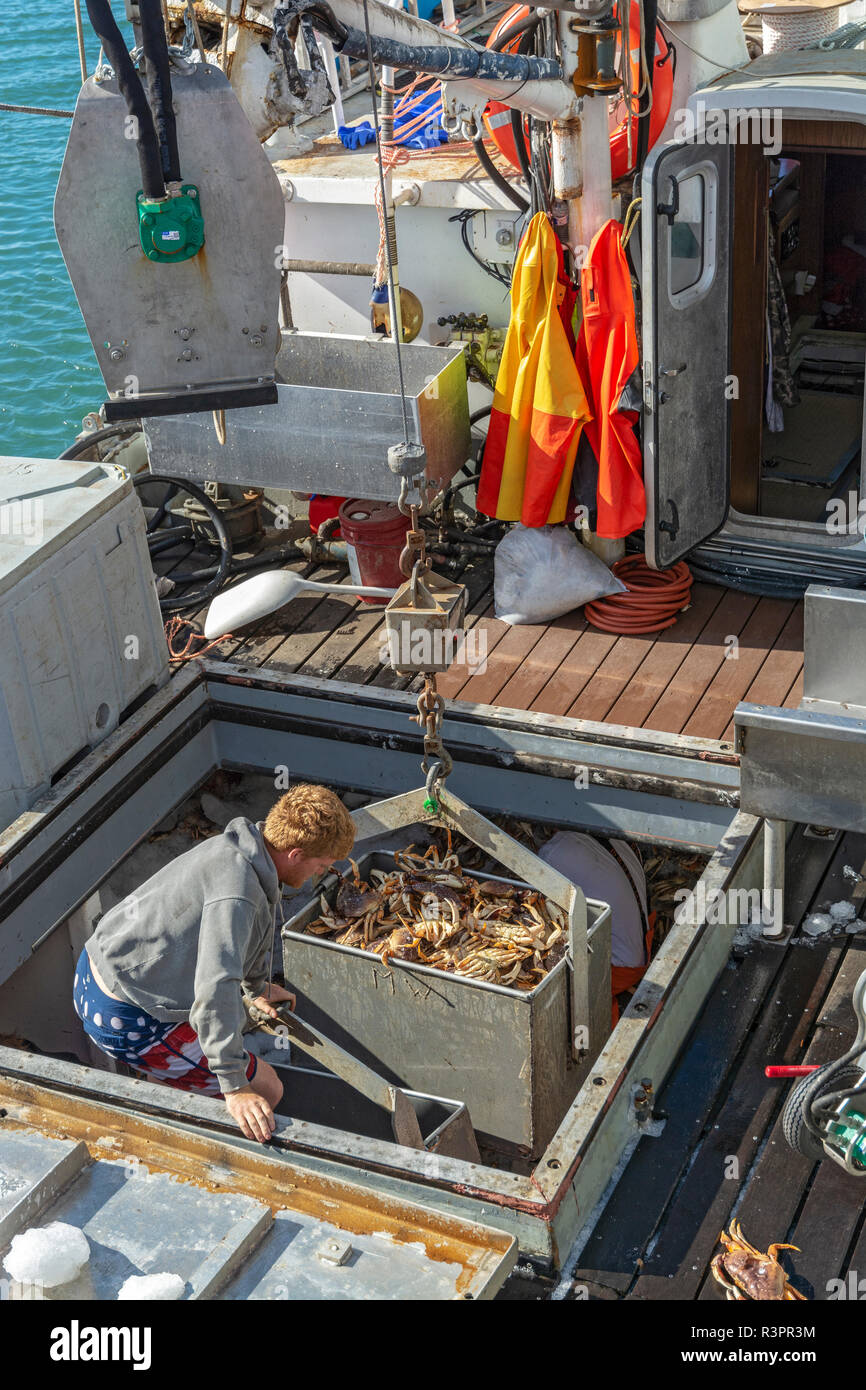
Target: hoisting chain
x,y
437,761
416,544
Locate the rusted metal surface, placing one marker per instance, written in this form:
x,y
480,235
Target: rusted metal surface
x,y
332,161
217,1166
330,267
245,17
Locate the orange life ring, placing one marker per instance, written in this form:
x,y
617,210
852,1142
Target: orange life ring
x,y
497,116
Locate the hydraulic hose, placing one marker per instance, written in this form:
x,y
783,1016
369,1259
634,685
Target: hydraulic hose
x,y
463,61
496,177
517,130
109,35
456,60
155,45
650,18
521,29
652,600
81,446
515,31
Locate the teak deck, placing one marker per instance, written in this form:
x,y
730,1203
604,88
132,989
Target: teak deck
x,y
686,680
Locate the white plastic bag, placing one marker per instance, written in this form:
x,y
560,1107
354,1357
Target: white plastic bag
x,y
541,572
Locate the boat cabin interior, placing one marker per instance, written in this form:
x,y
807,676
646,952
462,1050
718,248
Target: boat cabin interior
x,y
799,269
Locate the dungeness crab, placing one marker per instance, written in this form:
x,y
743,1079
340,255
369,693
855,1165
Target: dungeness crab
x,y
427,911
745,1272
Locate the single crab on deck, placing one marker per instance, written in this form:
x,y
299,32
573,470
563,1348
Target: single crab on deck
x,y
745,1272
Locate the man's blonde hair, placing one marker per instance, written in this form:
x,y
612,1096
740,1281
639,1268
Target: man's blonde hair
x,y
312,819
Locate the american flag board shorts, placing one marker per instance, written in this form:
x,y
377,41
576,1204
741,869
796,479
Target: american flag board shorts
x,y
169,1052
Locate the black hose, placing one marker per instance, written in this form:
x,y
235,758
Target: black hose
x,y
456,487
514,31
214,576
645,109
520,29
158,70
129,82
81,446
496,177
482,64
479,414
517,130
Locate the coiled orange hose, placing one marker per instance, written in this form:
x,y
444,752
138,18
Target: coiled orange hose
x,y
653,600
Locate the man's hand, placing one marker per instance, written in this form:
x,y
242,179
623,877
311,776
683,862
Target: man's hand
x,y
274,994
252,1113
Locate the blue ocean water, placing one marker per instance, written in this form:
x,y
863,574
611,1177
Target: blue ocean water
x,y
48,373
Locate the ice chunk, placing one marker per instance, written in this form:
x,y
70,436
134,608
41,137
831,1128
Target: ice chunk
x,y
151,1287
49,1255
818,923
842,911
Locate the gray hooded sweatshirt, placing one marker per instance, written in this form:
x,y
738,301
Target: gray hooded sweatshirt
x,y
190,940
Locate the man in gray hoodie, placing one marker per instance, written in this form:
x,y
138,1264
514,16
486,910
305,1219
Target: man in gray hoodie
x,y
160,984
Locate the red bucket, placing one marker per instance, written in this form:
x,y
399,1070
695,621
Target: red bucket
x,y
375,535
322,508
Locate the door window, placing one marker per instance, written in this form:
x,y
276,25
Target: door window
x,y
691,238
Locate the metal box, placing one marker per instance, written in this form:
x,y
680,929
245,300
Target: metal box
x,y
506,1053
81,635
338,412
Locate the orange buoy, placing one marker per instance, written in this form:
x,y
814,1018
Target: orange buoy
x,y
497,116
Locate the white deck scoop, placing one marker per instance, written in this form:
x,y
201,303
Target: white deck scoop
x,y
265,593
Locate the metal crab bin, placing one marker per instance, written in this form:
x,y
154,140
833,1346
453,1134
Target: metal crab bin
x,y
337,413
517,1058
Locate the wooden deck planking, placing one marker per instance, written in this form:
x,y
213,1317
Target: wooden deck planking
x,y
452,683
479,602
677,703
664,659
643,1197
266,643
773,1190
677,681
612,678
507,657
764,627
543,661
780,669
363,666
795,694
572,674
719,1166
773,1206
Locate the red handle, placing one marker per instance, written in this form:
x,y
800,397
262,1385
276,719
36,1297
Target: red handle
x,y
803,1070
